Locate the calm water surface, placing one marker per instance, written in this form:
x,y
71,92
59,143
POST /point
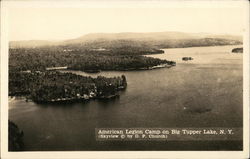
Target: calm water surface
x,y
204,92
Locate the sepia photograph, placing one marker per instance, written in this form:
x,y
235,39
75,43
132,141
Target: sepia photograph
x,y
124,77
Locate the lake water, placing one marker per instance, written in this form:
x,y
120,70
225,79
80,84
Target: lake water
x,y
204,92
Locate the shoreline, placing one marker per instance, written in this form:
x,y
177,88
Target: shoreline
x,y
128,69
199,47
78,99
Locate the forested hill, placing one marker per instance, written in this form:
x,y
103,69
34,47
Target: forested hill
x,y
156,40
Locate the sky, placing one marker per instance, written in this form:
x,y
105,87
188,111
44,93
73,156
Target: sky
x,y
67,23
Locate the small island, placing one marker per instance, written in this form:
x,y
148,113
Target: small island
x,y
237,50
187,58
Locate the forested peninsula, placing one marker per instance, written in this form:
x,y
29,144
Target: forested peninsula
x,y
38,59
54,87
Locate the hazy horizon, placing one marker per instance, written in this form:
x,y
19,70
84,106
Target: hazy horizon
x,y
58,40
56,24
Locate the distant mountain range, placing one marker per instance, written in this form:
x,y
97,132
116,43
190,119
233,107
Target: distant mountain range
x,y
156,39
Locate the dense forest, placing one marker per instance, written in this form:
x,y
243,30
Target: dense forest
x,y
32,71
150,44
23,59
53,86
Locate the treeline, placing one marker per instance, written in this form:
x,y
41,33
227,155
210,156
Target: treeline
x,y
52,86
154,44
183,43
